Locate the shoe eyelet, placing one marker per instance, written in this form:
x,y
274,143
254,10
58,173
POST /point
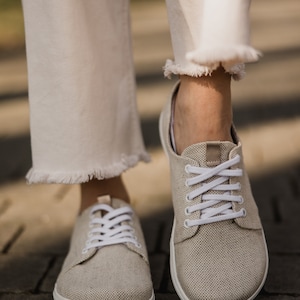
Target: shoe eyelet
x,y
241,200
187,213
244,212
187,198
185,223
239,186
186,169
138,245
84,251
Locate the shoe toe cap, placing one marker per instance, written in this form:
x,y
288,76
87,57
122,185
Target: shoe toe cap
x,y
108,276
232,266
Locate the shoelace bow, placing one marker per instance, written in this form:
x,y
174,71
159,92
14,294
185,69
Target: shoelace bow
x,y
110,229
208,213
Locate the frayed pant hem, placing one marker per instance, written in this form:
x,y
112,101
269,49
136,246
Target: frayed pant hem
x,y
204,61
171,68
38,176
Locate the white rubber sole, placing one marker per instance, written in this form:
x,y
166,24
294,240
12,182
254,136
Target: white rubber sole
x,y
57,296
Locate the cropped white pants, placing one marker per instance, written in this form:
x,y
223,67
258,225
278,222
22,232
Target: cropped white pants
x,y
83,116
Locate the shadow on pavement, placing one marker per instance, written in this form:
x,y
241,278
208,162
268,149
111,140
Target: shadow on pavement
x,y
15,157
278,198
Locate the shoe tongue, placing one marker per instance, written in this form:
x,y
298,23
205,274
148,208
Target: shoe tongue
x,y
209,154
113,202
106,199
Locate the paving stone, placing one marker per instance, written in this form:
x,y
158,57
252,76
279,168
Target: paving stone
x,y
170,286
157,265
283,237
41,237
284,275
276,297
10,111
151,232
21,273
157,228
165,243
9,232
290,211
261,192
50,279
295,183
276,196
62,192
42,200
15,157
26,297
4,205
163,221
282,185
166,297
47,226
287,198
149,186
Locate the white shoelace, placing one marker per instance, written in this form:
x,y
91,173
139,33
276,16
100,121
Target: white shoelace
x,y
208,213
110,228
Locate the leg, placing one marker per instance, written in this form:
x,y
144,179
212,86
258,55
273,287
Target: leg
x,y
217,247
203,109
82,94
206,34
85,130
94,188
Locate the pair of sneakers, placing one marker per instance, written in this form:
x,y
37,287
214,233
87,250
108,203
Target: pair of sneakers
x,y
217,246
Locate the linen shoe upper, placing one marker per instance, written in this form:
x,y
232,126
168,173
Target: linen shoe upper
x,y
217,247
113,271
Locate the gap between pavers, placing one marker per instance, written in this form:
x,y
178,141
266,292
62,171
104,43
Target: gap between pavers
x,y
284,275
21,273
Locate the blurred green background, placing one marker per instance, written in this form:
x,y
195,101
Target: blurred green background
x,y
11,26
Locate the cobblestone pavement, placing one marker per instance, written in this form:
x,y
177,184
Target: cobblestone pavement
x,y
36,221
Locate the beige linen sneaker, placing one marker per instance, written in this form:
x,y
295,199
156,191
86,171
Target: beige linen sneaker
x,y
107,257
217,247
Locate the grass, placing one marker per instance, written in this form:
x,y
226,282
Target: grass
x,y
11,26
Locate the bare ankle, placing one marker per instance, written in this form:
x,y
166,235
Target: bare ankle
x,y
94,188
203,110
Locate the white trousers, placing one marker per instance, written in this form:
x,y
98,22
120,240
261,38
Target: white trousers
x,y
83,115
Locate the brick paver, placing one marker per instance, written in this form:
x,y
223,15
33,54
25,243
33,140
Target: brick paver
x,y
36,221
